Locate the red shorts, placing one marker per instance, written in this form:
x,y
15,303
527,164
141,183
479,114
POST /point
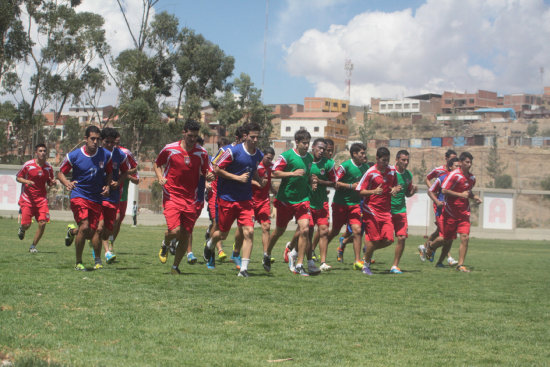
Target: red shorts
x,y
86,209
345,214
212,209
452,226
439,224
179,215
198,207
108,214
320,216
287,211
121,211
378,229
262,211
228,211
400,224
39,210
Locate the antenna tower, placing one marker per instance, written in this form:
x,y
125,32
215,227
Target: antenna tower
x,y
348,67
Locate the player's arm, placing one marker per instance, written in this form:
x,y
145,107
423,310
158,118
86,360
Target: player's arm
x,y
428,183
24,181
375,191
158,172
257,180
464,195
134,179
474,197
63,170
282,174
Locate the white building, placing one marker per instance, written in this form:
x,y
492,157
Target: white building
x,y
332,125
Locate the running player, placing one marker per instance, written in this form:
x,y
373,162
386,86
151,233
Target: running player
x,y
185,161
378,185
235,169
457,189
294,168
91,175
34,176
399,206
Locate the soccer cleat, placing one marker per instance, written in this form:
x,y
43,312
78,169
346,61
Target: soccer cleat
x,y
266,262
395,270
33,250
175,271
313,269
80,267
314,256
173,246
358,265
439,265
98,266
237,261
110,257
243,274
462,269
163,253
69,238
451,261
206,253
211,263
285,253
366,270
422,252
191,259
222,256
21,233
430,254
325,267
272,259
340,254
292,262
300,271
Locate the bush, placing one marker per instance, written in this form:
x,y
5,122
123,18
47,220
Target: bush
x,y
503,182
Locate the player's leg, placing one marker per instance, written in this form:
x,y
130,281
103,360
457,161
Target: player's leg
x,y
248,240
25,221
38,235
464,239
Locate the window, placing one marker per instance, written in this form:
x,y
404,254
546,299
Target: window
x,y
448,101
338,121
398,106
343,105
407,105
334,104
471,101
316,129
287,129
341,131
303,128
343,122
390,106
327,103
415,105
382,106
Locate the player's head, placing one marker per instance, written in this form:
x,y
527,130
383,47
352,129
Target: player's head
x,y
357,152
402,159
466,159
222,142
251,134
302,138
109,137
269,154
318,148
382,157
191,132
239,134
453,164
92,135
40,150
200,140
450,154
329,152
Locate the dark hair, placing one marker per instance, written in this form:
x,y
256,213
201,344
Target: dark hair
x,y
251,126
356,148
239,132
192,125
200,140
302,134
382,152
92,129
465,155
319,140
451,162
269,150
329,142
109,132
371,164
222,142
40,145
449,153
401,152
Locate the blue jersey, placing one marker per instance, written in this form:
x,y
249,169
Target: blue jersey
x,y
120,165
236,160
89,172
436,189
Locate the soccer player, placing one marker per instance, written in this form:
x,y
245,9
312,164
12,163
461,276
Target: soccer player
x,y
235,168
91,175
34,176
184,162
399,206
378,185
294,168
345,204
439,202
434,173
110,204
457,189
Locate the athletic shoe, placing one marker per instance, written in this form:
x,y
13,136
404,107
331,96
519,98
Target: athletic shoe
x,y
191,259
21,233
313,269
340,254
69,238
80,267
211,263
272,259
422,252
98,266
372,261
300,271
358,265
366,270
163,253
172,247
431,256
237,261
206,253
325,267
175,271
222,256
243,274
439,265
285,253
314,256
451,261
462,269
33,250
395,270
266,262
291,262
110,257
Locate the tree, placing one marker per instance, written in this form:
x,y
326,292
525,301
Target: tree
x,y
495,168
366,130
533,128
72,135
14,46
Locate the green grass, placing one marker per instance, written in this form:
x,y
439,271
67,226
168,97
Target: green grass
x,y
134,313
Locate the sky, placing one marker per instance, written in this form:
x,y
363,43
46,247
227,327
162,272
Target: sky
x,y
397,48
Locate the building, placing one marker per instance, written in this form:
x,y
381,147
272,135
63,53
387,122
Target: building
x,y
453,102
284,111
522,102
91,115
321,104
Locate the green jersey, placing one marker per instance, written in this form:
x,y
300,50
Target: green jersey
x,y
124,196
297,189
398,204
322,170
349,173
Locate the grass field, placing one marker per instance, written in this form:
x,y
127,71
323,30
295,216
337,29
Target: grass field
x,y
134,313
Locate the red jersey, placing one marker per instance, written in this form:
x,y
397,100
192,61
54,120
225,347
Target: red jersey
x,y
40,176
458,181
182,171
437,171
260,194
132,162
378,205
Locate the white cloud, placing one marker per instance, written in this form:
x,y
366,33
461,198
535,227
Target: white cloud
x,y
444,45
